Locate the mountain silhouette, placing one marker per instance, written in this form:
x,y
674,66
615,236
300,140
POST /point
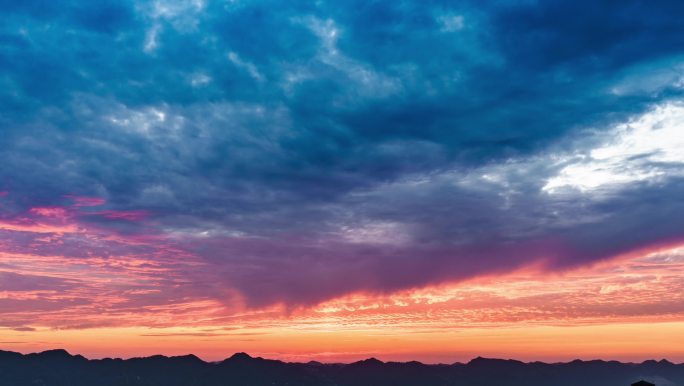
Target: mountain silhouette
x,y
60,368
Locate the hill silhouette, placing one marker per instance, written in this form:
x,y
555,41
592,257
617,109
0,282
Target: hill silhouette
x,y
59,368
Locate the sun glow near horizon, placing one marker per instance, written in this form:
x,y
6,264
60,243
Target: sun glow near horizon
x,y
619,309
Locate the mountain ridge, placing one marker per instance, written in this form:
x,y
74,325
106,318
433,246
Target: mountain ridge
x,y
246,356
60,368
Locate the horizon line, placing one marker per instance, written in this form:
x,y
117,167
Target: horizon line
x,y
242,354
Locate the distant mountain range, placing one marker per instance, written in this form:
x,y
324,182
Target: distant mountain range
x,y
59,368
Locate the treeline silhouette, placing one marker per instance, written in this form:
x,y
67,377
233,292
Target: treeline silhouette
x,y
59,368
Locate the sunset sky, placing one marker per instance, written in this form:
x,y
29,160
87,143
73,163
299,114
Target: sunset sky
x,y
335,180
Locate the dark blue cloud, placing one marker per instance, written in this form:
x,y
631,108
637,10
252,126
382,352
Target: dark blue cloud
x,y
342,125
589,36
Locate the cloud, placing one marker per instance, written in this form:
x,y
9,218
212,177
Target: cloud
x,y
451,23
646,149
10,281
303,151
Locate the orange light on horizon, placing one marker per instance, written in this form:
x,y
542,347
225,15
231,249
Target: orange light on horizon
x,y
627,310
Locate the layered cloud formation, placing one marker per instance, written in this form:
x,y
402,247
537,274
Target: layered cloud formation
x,y
254,153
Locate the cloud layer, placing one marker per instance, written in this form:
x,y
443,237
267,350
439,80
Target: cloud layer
x,y
257,152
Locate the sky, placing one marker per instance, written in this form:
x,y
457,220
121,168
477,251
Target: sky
x,y
334,180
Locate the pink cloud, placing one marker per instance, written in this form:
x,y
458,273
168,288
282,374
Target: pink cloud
x,y
47,219
52,211
150,278
37,227
124,215
81,201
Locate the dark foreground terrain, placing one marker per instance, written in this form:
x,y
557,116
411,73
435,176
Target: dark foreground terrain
x,y
59,368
